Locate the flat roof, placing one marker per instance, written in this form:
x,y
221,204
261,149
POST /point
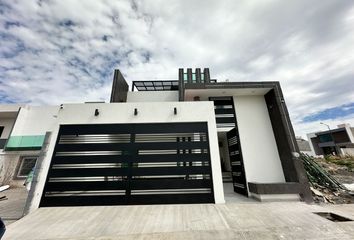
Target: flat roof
x,y
170,85
330,131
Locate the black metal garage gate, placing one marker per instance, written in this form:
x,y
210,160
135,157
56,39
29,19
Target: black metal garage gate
x,y
113,164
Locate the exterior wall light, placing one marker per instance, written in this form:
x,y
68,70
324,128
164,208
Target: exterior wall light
x,y
196,98
135,111
175,110
97,112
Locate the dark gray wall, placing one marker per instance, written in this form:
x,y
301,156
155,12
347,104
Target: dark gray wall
x,y
285,138
181,85
282,133
119,88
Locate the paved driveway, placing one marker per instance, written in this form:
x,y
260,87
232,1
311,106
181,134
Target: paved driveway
x,y
12,208
286,220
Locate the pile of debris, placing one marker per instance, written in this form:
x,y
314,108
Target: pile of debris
x,y
325,188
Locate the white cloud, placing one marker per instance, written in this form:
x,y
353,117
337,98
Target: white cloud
x,y
66,51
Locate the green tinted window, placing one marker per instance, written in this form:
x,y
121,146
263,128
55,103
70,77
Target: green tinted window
x,y
325,138
185,77
194,77
202,77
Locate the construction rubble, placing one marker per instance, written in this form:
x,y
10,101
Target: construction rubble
x,y
323,178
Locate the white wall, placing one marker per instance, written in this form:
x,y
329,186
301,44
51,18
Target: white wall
x,y
124,113
310,153
347,151
309,136
153,96
260,153
349,132
35,120
7,123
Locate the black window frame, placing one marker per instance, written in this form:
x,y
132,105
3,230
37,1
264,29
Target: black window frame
x,y
2,128
20,164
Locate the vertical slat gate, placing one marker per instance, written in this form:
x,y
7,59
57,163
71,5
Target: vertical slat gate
x,y
117,164
238,172
226,119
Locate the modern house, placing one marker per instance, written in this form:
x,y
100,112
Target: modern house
x,y
338,141
166,141
304,146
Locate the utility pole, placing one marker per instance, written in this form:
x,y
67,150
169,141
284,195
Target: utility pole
x,y
330,132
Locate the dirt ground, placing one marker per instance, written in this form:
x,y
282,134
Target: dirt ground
x,y
342,170
341,173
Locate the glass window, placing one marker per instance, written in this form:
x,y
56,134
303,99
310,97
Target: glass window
x,y
325,138
194,77
185,77
26,165
202,77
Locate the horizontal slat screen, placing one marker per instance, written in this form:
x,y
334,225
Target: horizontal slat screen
x,y
111,164
224,112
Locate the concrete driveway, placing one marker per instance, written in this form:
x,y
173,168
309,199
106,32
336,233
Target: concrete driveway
x,y
285,220
12,208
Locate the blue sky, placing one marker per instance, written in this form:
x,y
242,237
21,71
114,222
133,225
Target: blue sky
x,y
54,52
331,113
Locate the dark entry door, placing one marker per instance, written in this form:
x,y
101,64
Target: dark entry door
x,y
115,164
237,167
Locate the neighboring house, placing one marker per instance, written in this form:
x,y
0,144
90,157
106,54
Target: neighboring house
x,y
163,142
338,141
304,146
8,114
14,166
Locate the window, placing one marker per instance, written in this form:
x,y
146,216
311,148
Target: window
x,y
185,77
1,130
194,77
2,140
26,165
325,138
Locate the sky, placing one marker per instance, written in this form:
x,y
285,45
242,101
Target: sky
x,y
65,51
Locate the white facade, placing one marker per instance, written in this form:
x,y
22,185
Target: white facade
x,y
8,115
259,149
7,123
36,120
121,113
153,96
